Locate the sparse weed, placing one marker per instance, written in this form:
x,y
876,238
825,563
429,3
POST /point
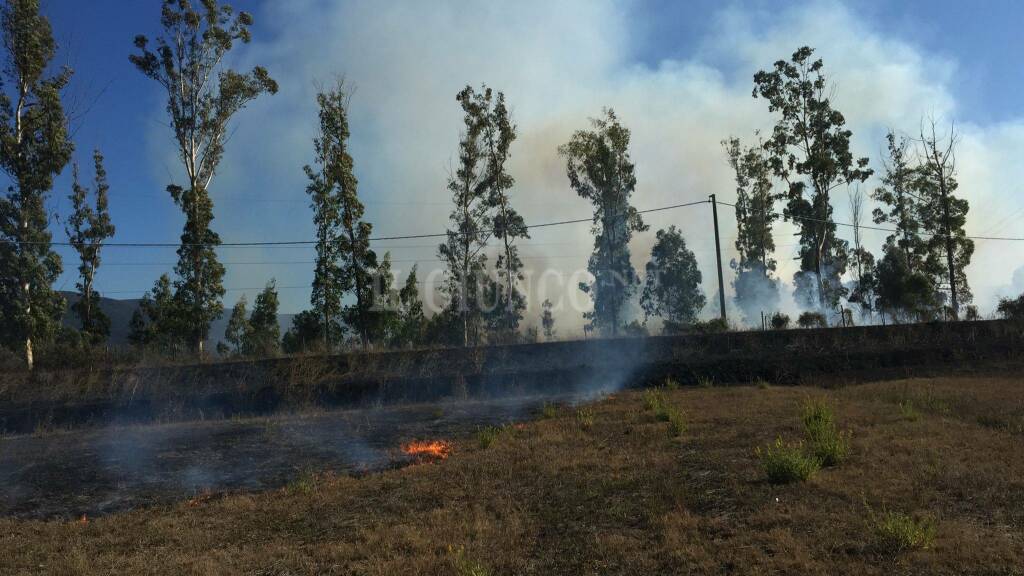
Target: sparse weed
x,y
653,400
585,416
676,423
671,384
785,463
488,435
897,532
465,566
762,384
908,411
306,483
548,411
705,382
828,445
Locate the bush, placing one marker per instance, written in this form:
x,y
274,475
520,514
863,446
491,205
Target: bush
x,y
653,400
676,422
828,445
548,411
812,320
711,326
1011,309
780,321
785,463
896,532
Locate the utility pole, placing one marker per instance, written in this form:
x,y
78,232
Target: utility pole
x,y
718,258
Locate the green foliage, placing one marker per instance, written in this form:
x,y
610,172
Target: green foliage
x,y
547,320
263,334
305,334
904,292
411,323
1011,308
87,228
653,399
156,323
825,441
600,170
713,326
671,384
896,532
809,148
779,321
784,463
548,411
755,288
676,423
34,147
467,233
234,332
202,98
672,290
812,320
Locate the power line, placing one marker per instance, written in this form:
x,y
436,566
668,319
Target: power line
x,y
809,219
313,242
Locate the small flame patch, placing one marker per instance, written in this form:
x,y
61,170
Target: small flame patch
x,y
428,450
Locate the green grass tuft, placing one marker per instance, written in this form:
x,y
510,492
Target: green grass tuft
x,y
548,411
785,463
825,441
897,532
488,435
585,417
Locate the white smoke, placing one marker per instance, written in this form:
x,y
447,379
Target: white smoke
x,y
559,63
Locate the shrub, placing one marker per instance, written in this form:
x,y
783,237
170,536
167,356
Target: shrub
x,y
653,400
1011,309
780,321
896,532
488,435
548,411
714,326
826,442
812,320
785,463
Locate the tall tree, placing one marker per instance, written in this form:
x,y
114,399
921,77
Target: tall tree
x,y
384,314
157,322
411,321
87,228
810,150
467,235
864,288
600,170
202,98
34,147
944,217
900,201
756,289
506,223
263,333
672,290
237,328
345,263
305,333
547,320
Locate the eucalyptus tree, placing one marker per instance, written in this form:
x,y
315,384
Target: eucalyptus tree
x,y
411,320
202,97
900,201
943,215
236,329
756,289
87,228
507,224
34,147
672,290
809,149
468,232
344,262
600,170
262,336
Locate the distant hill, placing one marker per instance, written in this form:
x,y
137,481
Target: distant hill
x,y
120,314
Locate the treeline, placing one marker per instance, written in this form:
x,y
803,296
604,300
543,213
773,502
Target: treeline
x,y
921,274
355,300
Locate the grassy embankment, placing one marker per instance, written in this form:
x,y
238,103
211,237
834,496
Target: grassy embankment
x,y
930,481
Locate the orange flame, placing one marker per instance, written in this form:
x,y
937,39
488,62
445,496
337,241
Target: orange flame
x,y
83,520
438,449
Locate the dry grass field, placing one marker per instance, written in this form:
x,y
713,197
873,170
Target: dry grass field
x,y
930,481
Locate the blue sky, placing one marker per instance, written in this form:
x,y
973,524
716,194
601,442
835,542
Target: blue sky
x,y
407,60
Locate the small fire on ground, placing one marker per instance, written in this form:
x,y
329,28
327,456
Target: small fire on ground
x,y
428,450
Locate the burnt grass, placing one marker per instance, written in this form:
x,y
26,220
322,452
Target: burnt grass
x,y
613,495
